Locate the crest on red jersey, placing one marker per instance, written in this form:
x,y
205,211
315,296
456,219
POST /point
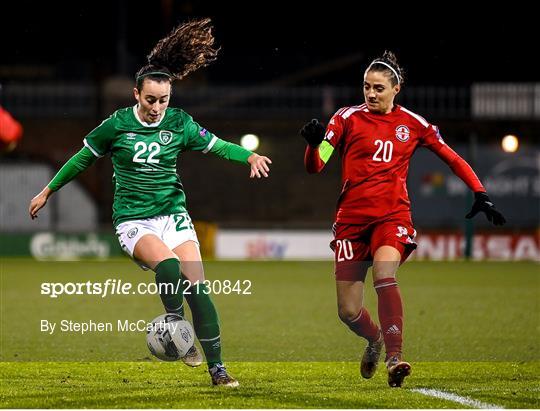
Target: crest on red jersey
x,y
402,133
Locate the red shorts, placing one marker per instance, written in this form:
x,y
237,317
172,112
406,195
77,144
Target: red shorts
x,y
354,245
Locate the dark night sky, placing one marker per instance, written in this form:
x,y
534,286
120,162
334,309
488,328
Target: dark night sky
x,y
268,41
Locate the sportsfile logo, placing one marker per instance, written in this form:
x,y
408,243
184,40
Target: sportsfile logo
x,y
103,289
111,287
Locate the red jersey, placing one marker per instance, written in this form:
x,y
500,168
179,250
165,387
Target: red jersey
x,y
375,150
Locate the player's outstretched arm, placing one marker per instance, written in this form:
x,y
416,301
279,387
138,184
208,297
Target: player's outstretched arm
x,y
233,152
73,167
39,201
259,165
464,171
484,204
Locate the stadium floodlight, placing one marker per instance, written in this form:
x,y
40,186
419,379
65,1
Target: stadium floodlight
x,y
249,142
510,143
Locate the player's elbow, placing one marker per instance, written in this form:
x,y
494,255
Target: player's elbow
x,y
455,164
314,169
312,161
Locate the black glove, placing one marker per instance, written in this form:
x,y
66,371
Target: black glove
x,y
483,203
313,132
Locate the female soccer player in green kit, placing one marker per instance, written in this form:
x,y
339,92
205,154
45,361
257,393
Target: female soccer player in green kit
x,y
149,209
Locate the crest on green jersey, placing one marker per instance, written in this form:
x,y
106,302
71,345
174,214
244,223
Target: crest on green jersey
x,y
165,137
132,232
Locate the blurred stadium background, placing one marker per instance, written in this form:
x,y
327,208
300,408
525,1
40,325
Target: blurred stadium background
x,y
61,74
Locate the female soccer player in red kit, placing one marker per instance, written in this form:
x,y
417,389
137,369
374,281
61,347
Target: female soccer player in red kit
x,y
373,223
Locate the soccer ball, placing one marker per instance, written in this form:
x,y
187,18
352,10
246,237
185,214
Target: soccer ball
x,y
169,337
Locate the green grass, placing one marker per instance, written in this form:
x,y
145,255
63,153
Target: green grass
x,y
264,385
472,329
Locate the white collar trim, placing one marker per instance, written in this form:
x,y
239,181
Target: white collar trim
x,y
144,123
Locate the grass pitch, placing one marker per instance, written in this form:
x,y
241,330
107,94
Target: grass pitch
x,y
263,385
472,333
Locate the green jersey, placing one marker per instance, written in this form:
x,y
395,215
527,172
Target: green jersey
x,y
144,159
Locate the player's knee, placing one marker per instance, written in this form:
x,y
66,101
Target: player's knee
x,y
348,313
385,269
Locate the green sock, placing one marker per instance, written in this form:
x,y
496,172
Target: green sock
x,y
205,322
169,280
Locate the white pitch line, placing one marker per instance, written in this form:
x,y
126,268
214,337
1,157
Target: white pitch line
x,y
456,398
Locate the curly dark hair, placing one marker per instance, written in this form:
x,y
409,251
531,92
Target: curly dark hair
x,y
389,58
187,48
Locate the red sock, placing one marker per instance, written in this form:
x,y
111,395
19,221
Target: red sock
x,y
364,326
390,314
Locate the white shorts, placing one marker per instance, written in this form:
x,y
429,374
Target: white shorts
x,y
173,230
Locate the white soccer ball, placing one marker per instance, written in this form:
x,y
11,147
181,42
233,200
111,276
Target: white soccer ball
x,y
169,337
